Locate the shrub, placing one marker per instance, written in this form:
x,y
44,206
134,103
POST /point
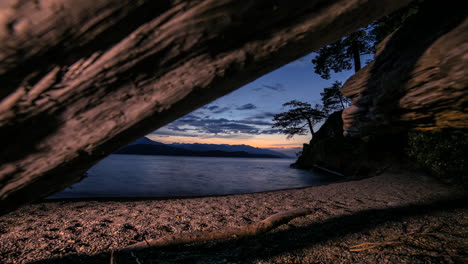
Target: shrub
x,y
443,153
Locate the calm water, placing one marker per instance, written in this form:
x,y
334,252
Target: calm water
x,y
164,176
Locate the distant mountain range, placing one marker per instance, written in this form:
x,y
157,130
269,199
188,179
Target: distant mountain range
x,y
146,146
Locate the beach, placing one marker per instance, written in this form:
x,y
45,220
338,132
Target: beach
x,y
413,218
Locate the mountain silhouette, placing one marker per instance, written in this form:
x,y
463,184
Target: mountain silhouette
x,y
146,146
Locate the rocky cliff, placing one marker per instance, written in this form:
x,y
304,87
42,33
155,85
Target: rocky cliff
x,y
417,82
418,79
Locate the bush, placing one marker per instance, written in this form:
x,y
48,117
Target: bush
x,y
443,153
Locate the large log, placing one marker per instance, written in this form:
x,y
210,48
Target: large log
x,y
78,81
418,80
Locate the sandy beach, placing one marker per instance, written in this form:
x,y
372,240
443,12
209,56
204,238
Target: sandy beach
x,y
417,219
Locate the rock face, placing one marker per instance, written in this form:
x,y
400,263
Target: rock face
x,y
354,157
79,81
418,79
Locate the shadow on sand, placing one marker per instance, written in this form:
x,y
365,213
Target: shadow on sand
x,y
276,243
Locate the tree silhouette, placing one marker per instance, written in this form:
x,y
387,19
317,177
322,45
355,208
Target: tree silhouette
x,y
384,26
346,52
333,100
343,54
298,120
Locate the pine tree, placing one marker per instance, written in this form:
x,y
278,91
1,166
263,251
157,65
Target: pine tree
x,y
333,100
300,119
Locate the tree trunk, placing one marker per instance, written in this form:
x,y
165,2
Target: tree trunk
x,y
311,128
356,55
341,100
80,81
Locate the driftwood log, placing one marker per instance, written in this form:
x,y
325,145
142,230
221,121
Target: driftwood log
x,y
251,230
181,239
79,81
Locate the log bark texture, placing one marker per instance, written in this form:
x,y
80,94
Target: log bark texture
x,y
80,80
418,79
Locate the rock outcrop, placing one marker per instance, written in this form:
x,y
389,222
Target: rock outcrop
x,y
418,79
355,157
80,81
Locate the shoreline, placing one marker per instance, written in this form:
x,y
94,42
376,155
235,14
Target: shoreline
x,y
390,206
150,198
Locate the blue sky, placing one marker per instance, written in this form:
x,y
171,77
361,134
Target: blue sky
x,y
244,116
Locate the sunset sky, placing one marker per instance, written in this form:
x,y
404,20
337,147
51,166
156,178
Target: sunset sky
x,y
245,115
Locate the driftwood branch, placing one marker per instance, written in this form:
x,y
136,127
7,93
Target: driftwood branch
x,y
251,230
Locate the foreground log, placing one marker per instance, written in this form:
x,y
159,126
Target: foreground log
x,y
251,230
80,81
419,77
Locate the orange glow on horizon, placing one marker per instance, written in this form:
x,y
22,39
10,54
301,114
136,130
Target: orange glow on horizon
x,y
263,141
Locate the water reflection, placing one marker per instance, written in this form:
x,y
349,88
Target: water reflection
x,y
164,176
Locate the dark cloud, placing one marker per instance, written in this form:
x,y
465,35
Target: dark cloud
x,y
177,129
198,113
278,87
169,132
221,110
189,118
216,109
210,107
271,131
247,107
196,125
224,126
263,115
256,122
230,128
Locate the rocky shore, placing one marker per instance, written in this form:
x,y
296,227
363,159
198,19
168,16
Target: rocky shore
x,y
408,218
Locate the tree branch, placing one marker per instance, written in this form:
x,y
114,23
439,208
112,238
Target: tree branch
x,y
251,230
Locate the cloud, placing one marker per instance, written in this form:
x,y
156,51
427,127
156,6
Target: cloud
x,y
210,107
216,109
192,116
230,128
256,122
177,129
196,126
271,131
247,107
221,110
263,115
277,87
198,113
189,118
166,132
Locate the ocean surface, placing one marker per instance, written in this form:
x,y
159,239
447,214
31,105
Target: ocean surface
x,y
168,176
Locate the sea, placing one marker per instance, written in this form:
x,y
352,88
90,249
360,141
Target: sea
x,y
140,176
